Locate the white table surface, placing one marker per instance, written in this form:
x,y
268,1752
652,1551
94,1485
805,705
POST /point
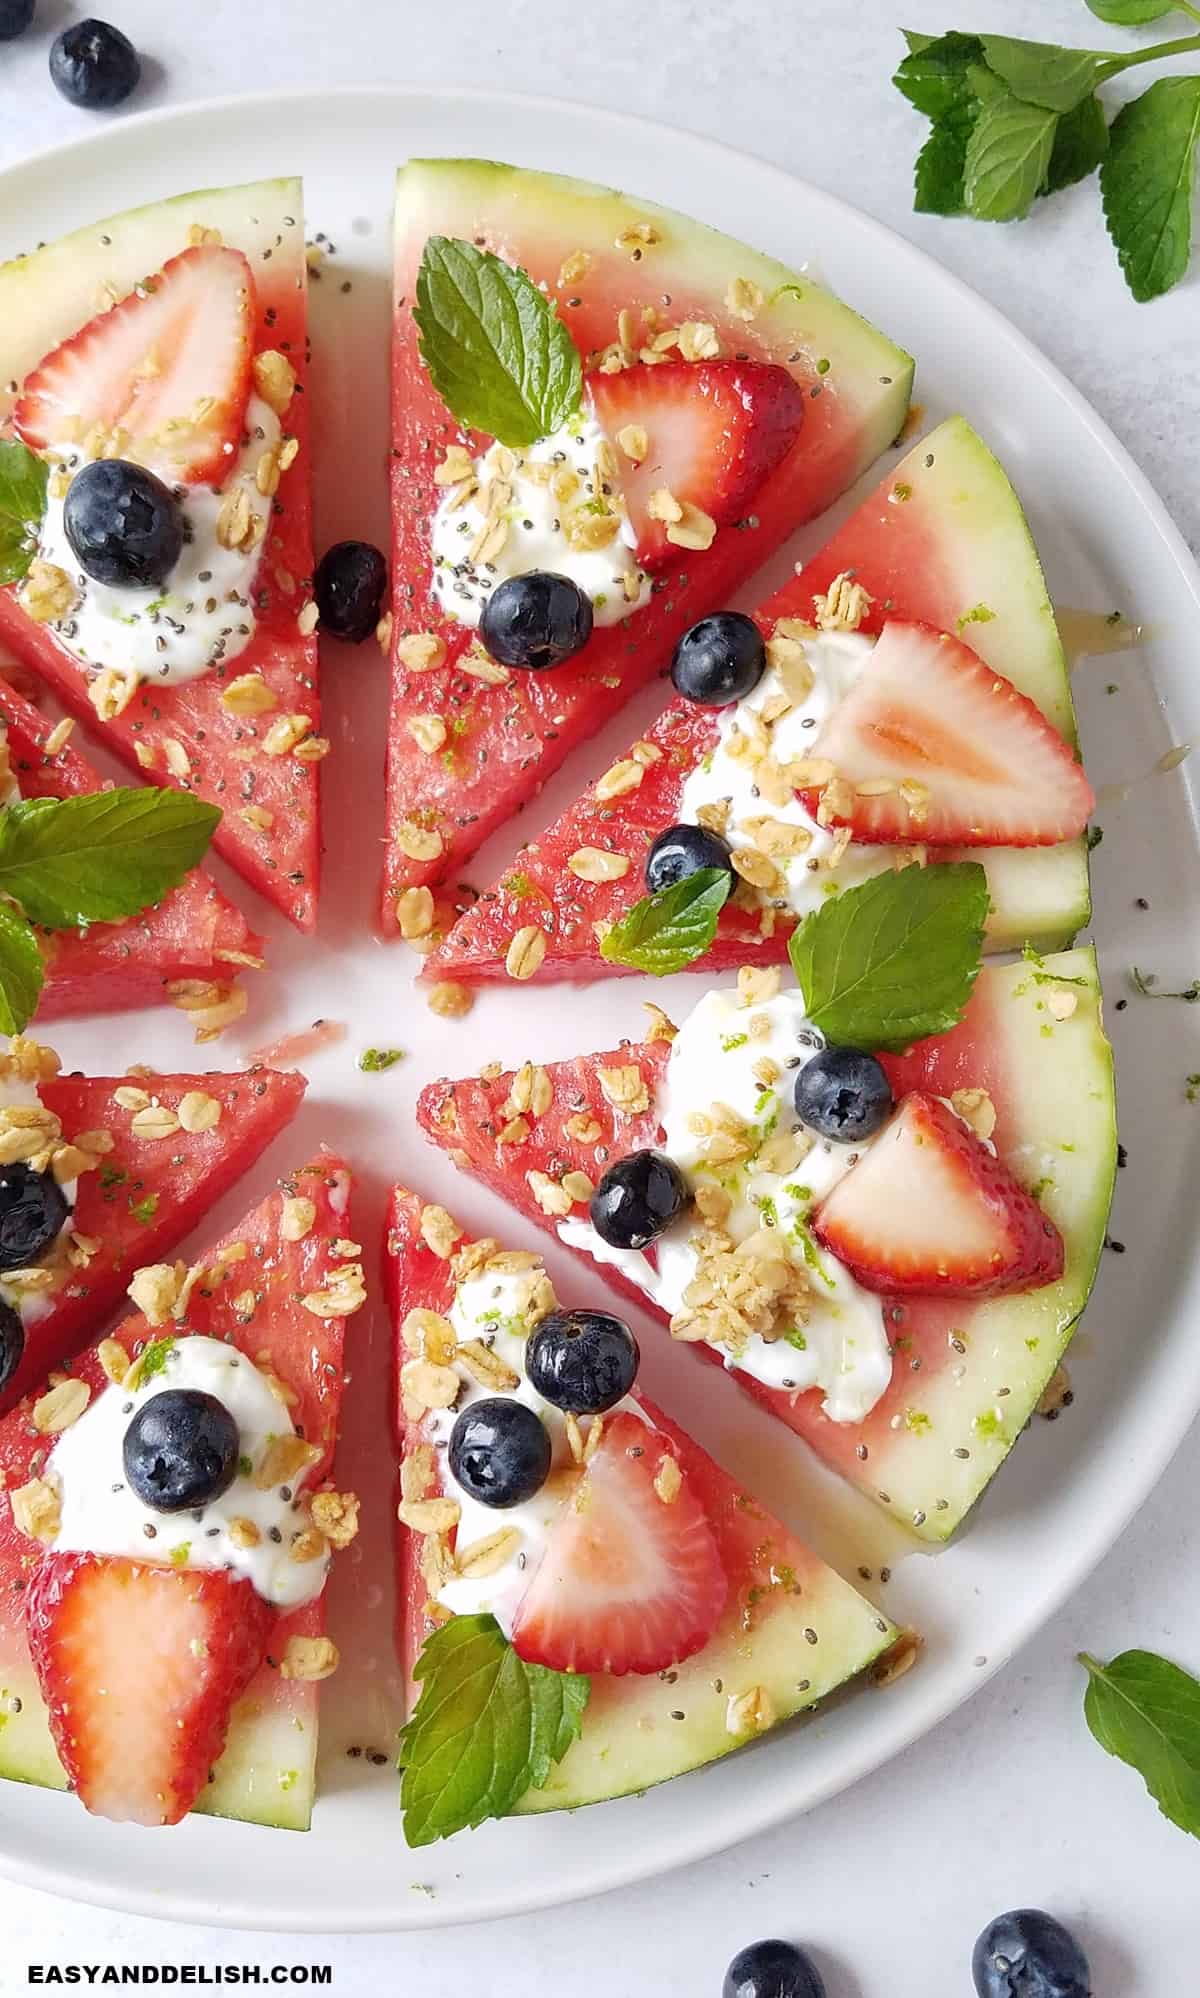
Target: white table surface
x,y
1010,1802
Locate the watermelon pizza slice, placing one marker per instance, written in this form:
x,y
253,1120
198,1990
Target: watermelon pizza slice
x,y
102,1174
890,1251
605,416
188,951
567,1553
168,1526
877,669
155,536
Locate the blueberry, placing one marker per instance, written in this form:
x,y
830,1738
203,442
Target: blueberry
x,y
719,660
33,1208
844,1094
584,1361
773,1969
12,1342
500,1451
1026,1954
349,585
15,16
94,66
124,525
638,1197
536,620
684,850
180,1450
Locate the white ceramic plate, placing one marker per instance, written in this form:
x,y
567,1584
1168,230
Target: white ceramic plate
x,y
1106,543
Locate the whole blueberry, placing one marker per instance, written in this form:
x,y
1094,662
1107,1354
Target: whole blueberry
x,y
637,1198
349,585
1026,1954
33,1208
180,1450
719,660
94,65
582,1361
536,620
773,1969
124,525
12,1342
684,850
15,16
843,1094
500,1451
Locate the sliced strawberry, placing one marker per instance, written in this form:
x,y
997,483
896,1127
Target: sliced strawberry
x,y
169,366
930,1210
631,1580
968,761
140,1668
715,430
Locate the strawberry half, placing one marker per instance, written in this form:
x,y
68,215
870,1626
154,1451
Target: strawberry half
x,y
631,1580
715,430
929,1210
169,366
140,1668
952,754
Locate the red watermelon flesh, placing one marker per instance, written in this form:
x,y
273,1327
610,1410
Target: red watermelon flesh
x,y
966,1376
957,554
779,1591
502,742
51,294
196,932
266,1773
147,1192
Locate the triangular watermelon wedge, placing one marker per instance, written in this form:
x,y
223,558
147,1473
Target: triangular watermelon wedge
x,y
195,933
186,733
966,1376
762,1662
266,1774
943,540
153,1178
601,255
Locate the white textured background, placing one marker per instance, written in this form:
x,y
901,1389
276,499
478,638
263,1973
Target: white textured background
x,y
1010,1801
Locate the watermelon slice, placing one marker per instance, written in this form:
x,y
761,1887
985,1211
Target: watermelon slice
x,y
759,1666
600,255
266,1773
186,733
195,933
957,554
967,1375
148,1190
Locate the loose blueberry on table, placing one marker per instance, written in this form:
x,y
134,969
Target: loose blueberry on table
x,y
349,589
181,1450
15,17
582,1361
637,1198
124,525
843,1094
721,659
773,1969
536,620
500,1452
682,851
1028,1954
94,65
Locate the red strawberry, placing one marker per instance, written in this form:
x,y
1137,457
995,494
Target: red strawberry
x,y
631,1580
170,366
715,432
931,1211
979,763
140,1668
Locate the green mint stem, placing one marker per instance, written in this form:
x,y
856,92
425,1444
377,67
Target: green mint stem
x,y
1184,45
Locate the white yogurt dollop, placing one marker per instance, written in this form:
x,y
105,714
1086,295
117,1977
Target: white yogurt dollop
x,y
535,516
102,1515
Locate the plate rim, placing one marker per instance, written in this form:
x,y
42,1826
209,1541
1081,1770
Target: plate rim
x,y
759,1813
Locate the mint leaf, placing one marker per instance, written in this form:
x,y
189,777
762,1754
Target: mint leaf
x,y
486,1728
886,964
1080,144
100,857
496,352
23,478
1131,13
1146,184
933,76
1041,73
1146,1711
666,931
21,971
942,162
1008,152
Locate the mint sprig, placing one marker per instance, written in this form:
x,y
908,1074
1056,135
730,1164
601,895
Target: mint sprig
x,y
1146,184
1146,1711
890,962
23,481
668,930
486,1728
496,351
